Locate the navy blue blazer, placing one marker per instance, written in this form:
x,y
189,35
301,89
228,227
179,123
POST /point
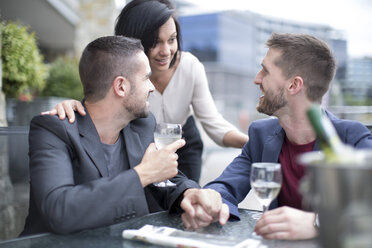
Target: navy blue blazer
x,y
265,142
70,187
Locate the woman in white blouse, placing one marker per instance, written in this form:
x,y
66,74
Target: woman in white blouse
x,y
179,79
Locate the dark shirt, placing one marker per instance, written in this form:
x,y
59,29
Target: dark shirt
x,y
116,156
292,173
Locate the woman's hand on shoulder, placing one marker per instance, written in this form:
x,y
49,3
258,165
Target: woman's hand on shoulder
x,y
66,108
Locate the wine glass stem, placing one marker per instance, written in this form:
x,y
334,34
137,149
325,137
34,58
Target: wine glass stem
x,y
264,208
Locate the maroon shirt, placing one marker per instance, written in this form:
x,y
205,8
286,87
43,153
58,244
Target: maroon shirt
x,y
292,173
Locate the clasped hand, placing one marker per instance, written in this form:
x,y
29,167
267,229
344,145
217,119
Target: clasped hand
x,y
203,207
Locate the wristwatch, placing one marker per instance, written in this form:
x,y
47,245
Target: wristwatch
x,y
316,221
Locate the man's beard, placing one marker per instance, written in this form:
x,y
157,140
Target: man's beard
x,y
271,102
139,113
136,109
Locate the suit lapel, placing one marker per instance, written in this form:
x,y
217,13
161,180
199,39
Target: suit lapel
x,y
91,142
273,145
134,146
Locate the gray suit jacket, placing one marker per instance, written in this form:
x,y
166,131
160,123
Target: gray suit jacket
x,y
70,187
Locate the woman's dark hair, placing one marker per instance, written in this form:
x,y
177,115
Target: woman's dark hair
x,y
142,19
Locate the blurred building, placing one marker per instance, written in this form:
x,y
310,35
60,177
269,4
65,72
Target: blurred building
x,y
358,84
54,22
339,47
62,26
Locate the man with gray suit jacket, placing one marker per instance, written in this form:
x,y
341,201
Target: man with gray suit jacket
x,y
99,170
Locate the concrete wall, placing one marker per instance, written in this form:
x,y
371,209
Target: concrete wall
x,y
97,19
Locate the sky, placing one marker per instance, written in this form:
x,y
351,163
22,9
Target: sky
x,y
352,17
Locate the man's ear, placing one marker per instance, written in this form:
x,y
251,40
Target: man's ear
x,y
296,84
121,86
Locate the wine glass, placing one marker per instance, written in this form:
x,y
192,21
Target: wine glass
x,y
165,134
266,180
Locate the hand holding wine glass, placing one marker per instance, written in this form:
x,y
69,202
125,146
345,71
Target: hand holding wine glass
x,y
165,134
266,180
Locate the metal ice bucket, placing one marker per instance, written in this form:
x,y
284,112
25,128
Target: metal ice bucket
x,y
342,195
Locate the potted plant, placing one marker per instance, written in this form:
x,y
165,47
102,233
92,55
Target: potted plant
x,y
23,70
31,86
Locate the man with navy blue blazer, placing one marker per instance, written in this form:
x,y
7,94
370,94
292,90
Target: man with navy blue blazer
x,y
296,73
100,169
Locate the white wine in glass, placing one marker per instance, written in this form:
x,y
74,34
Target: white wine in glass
x,y
165,134
266,180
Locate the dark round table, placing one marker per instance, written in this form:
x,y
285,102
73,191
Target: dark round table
x,y
111,236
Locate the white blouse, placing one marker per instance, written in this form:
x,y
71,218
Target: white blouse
x,y
188,88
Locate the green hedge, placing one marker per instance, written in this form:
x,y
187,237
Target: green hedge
x,y
63,79
23,70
